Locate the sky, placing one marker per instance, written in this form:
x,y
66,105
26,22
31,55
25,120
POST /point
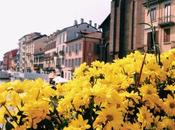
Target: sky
x,y
21,17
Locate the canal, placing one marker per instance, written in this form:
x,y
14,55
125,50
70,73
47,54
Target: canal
x,y
2,80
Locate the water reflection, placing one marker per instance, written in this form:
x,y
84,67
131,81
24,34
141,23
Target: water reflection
x,y
4,80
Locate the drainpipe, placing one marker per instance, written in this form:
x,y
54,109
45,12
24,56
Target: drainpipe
x,y
133,20
122,37
114,30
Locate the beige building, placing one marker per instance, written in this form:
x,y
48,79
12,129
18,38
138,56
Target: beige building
x,y
39,45
24,50
28,45
162,16
50,53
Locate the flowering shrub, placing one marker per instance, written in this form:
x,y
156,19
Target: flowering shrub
x,y
133,93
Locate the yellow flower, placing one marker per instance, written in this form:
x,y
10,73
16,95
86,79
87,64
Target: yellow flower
x,y
21,127
166,123
79,72
71,128
170,87
145,117
79,123
14,99
129,126
3,98
169,105
36,111
111,117
148,89
2,113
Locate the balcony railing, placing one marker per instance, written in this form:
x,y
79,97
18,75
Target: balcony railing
x,y
172,44
152,2
167,21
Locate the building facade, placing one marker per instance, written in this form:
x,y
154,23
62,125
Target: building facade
x,y
28,46
50,53
162,16
80,50
46,53
126,34
9,60
39,44
69,34
1,65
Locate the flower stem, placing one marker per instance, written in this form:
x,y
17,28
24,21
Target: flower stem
x,y
141,69
10,115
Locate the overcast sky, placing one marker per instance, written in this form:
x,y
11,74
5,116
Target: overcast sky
x,y
20,17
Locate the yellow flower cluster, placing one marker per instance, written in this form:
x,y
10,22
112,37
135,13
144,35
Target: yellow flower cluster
x,y
133,93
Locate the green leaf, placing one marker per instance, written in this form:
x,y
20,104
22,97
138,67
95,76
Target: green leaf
x,y
9,126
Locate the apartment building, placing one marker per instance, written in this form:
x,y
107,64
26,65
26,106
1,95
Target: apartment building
x,y
80,50
69,34
39,44
162,16
50,53
28,44
9,60
1,65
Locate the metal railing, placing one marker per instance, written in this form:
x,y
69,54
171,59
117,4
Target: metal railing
x,y
167,20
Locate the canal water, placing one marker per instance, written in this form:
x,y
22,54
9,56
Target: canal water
x,y
4,80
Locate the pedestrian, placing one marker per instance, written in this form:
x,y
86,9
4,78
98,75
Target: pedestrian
x,y
51,76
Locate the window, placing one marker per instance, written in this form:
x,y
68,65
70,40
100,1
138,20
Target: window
x,y
150,40
73,62
69,49
63,48
73,48
79,47
69,63
66,63
66,49
167,35
153,14
167,12
65,37
79,61
76,64
76,48
62,61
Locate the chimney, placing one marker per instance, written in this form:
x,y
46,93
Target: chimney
x,y
90,22
95,25
75,22
82,20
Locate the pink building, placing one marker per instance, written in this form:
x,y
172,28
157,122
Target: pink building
x,y
80,50
162,16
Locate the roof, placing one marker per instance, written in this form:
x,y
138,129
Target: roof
x,y
37,33
85,35
107,19
64,29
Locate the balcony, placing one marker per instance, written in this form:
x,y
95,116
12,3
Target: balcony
x,y
152,2
167,21
172,44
